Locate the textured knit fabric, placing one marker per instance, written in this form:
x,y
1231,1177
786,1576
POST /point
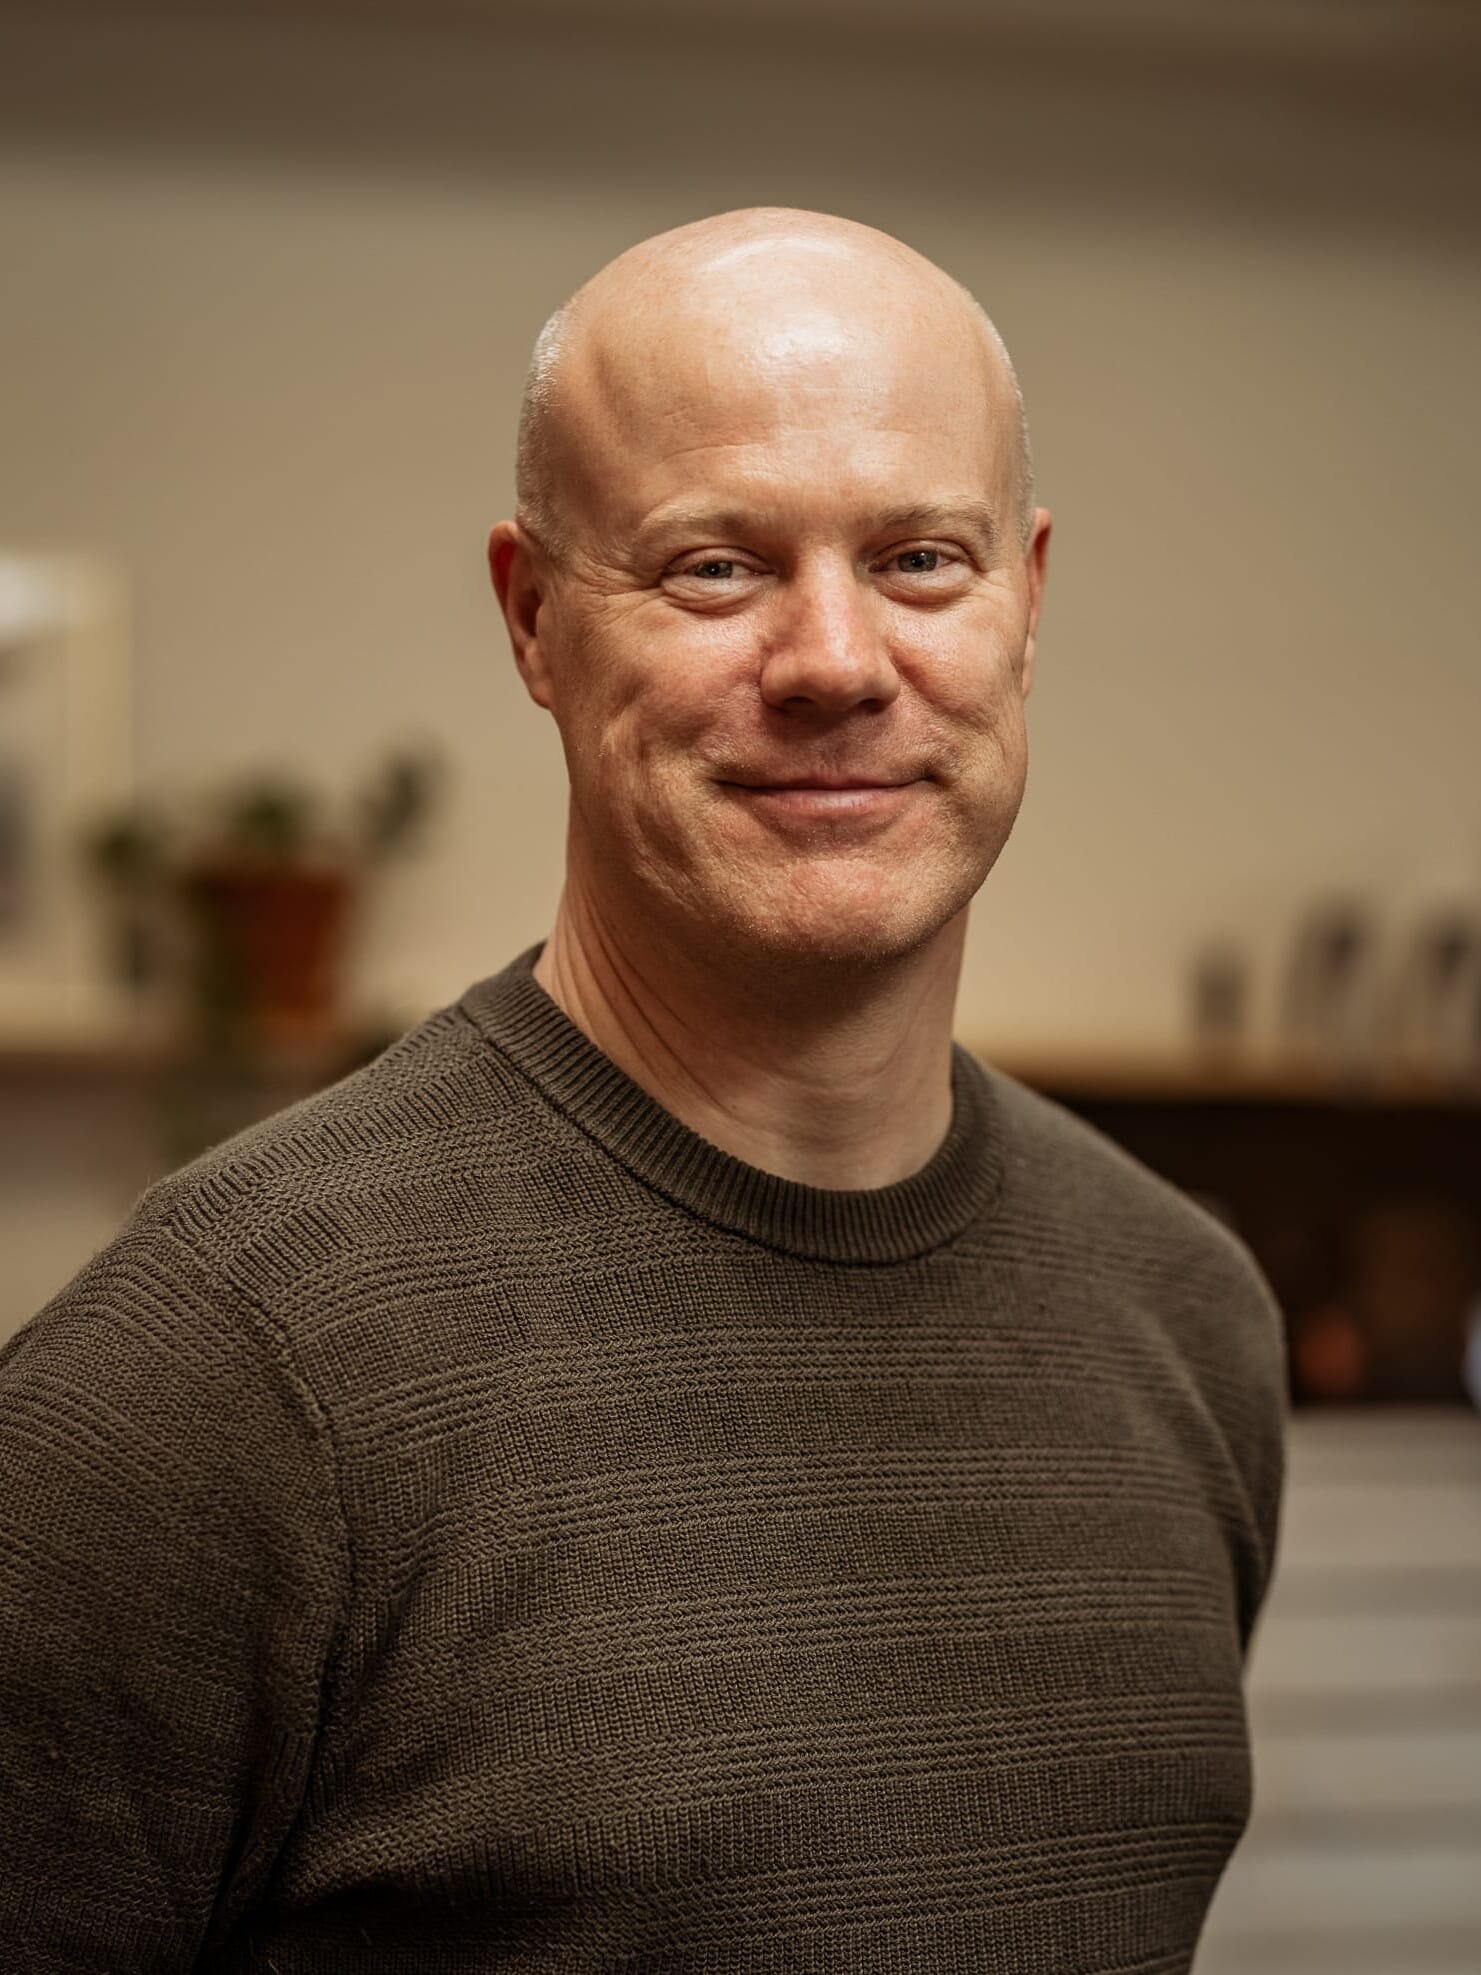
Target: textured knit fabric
x,y
469,1522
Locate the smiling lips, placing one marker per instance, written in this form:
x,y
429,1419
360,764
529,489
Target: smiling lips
x,y
826,798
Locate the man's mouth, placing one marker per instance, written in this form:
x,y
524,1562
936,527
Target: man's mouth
x,y
817,799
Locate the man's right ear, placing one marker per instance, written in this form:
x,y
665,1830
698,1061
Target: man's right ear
x,y
520,577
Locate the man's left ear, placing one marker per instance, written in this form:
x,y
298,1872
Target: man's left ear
x,y
1036,563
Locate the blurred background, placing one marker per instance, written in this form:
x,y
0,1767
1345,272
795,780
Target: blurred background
x,y
270,789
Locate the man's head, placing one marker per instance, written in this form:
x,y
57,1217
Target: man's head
x,y
776,535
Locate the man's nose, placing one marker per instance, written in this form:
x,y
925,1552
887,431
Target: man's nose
x,y
829,652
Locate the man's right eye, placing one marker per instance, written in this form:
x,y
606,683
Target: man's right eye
x,y
726,578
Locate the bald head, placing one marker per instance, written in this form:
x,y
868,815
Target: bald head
x,y
743,301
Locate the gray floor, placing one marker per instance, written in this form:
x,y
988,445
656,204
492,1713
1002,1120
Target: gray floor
x,y
1364,1850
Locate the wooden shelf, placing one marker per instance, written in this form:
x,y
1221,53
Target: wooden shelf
x,y
125,1059
1182,1076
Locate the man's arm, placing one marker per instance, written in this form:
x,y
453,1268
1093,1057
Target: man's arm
x,y
173,1572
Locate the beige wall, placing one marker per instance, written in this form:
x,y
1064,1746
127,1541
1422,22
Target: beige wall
x,y
269,292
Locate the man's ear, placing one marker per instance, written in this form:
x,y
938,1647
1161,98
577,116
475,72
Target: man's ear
x,y
521,578
1036,563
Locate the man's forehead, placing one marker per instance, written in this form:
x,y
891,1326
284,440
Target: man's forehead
x,y
805,376
880,423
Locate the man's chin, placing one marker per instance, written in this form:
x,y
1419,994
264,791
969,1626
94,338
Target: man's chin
x,y
814,936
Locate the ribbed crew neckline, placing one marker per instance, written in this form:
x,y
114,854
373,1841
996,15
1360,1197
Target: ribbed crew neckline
x,y
865,1226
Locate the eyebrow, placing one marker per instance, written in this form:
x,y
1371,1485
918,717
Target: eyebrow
x,y
944,517
967,514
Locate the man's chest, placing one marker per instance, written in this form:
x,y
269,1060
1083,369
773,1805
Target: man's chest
x,y
734,1637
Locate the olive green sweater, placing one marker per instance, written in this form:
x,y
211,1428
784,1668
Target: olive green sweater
x,y
469,1522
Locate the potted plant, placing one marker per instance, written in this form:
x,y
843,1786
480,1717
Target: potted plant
x,y
248,911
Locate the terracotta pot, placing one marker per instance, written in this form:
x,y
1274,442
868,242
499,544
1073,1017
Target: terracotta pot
x,y
269,948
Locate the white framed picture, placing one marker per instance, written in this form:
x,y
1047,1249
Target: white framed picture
x,y
66,758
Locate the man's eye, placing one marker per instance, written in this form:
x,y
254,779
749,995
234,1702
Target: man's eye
x,y
716,568
917,562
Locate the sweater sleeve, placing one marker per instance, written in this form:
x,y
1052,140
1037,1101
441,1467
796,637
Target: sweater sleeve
x,y
173,1574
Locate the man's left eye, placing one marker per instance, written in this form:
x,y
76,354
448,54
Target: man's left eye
x,y
917,562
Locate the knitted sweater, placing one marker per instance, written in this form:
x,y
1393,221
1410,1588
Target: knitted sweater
x,y
469,1522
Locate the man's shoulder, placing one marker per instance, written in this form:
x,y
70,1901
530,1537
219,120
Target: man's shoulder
x,y
276,1260
1068,1183
435,1128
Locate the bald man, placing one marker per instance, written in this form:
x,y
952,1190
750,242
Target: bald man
x,y
675,1465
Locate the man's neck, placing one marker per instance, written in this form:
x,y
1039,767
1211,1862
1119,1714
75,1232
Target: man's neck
x,y
837,1091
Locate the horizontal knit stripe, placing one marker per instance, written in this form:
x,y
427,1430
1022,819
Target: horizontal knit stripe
x,y
607,1639
850,1755
612,1506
